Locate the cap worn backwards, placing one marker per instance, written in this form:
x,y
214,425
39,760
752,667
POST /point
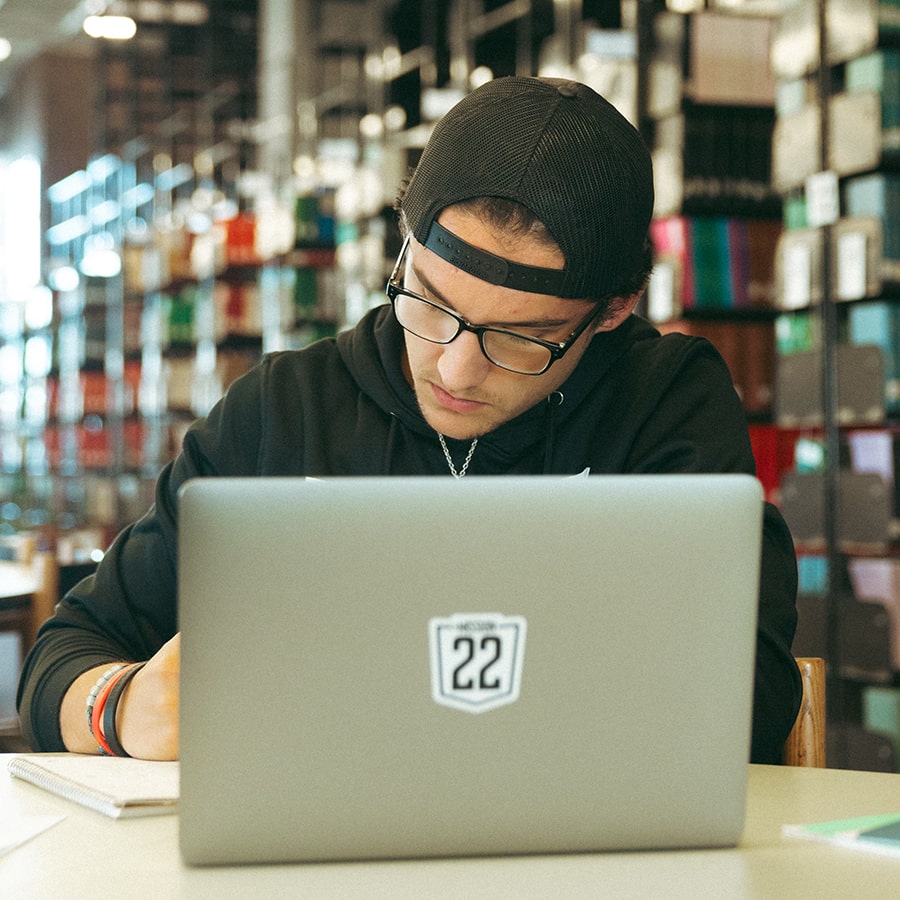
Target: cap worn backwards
x,y
558,148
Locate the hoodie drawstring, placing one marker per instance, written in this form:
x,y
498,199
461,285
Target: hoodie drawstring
x,y
555,400
389,447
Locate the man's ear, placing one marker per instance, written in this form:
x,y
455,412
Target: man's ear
x,y
619,310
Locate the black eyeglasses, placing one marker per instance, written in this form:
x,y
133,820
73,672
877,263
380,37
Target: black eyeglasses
x,y
507,349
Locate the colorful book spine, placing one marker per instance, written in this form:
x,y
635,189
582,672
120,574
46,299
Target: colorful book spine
x,y
672,239
739,262
721,262
712,289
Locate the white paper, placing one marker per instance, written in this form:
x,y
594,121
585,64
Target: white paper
x,y
851,266
822,202
16,831
797,275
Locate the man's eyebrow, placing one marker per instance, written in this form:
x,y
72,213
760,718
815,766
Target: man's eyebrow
x,y
431,289
426,283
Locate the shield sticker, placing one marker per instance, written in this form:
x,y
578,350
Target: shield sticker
x,y
476,660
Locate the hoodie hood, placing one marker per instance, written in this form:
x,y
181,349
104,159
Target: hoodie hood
x,y
372,353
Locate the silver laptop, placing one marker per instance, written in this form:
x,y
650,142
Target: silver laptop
x,y
419,667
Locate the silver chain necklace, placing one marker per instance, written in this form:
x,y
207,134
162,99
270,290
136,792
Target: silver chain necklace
x,y
449,459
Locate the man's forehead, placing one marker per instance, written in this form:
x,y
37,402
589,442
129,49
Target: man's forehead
x,y
431,275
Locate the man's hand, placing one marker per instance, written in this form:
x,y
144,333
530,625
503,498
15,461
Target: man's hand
x,y
147,716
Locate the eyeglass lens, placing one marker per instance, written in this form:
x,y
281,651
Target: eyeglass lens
x,y
432,323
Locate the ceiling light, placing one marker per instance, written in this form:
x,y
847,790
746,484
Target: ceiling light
x,y
112,28
480,75
5,49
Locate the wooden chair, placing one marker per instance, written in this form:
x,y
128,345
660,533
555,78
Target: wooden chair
x,y
805,745
46,574
17,553
22,611
42,570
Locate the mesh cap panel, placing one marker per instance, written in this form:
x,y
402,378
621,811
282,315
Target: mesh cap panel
x,y
561,150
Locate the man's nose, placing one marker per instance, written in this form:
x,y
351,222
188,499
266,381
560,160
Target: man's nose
x,y
462,364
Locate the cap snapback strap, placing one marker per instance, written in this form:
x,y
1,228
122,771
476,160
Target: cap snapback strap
x,y
490,267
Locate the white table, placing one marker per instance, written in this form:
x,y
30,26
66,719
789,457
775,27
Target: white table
x,y
16,578
18,587
88,856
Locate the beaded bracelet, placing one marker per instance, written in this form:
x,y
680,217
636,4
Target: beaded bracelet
x,y
97,711
110,708
95,692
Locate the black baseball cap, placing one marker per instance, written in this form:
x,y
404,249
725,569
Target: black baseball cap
x,y
561,150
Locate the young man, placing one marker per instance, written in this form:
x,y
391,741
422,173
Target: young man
x,y
509,347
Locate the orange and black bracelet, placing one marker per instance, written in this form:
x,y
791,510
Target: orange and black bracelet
x,y
104,687
99,688
110,708
97,711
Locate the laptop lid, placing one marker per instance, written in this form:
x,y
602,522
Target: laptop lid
x,y
412,667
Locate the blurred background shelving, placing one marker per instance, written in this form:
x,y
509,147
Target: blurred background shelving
x,y
221,185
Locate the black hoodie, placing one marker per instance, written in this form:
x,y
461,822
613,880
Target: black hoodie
x,y
636,403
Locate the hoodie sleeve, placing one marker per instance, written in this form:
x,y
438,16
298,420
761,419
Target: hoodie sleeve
x,y
694,422
777,688
127,609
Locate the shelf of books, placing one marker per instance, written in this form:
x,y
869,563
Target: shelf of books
x,y
717,217
736,136
839,125
152,307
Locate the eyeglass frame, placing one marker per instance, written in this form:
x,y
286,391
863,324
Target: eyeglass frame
x,y
557,349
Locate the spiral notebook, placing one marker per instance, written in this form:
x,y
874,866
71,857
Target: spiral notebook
x,y
413,667
116,787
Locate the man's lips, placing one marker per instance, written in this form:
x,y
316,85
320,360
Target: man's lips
x,y
455,404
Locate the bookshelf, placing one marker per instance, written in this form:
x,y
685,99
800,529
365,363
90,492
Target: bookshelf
x,y
709,116
834,155
808,328
205,289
